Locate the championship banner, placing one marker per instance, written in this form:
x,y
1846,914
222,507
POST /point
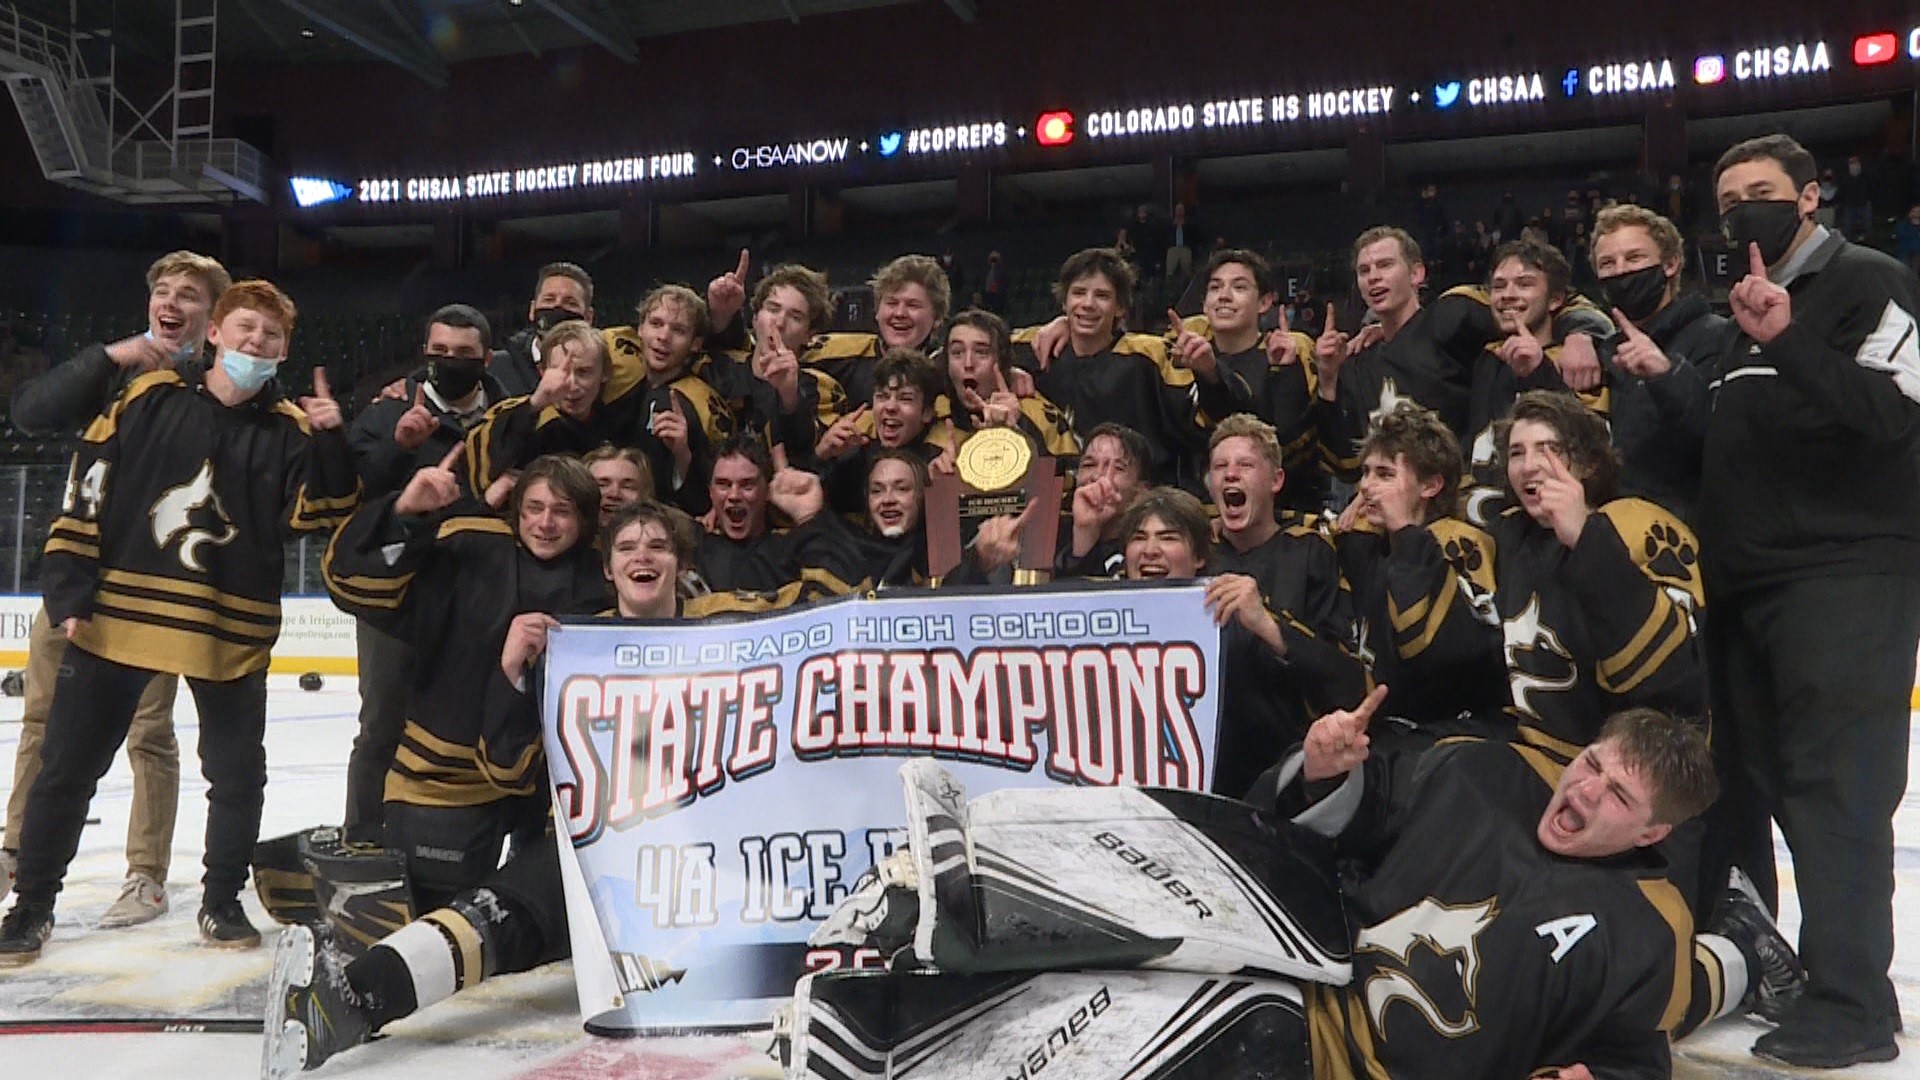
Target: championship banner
x,y
725,784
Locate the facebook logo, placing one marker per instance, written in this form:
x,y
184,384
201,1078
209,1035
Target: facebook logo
x,y
1570,82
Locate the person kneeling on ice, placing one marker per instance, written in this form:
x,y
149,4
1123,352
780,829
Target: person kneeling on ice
x,y
320,1002
1513,919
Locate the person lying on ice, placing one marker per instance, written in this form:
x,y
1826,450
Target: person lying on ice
x,y
1512,919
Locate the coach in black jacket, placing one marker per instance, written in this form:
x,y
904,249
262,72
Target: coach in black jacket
x,y
1810,530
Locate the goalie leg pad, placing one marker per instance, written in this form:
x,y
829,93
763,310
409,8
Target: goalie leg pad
x,y
1139,1025
1118,878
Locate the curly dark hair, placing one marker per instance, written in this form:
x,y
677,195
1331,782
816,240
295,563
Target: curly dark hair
x,y
1430,448
1583,439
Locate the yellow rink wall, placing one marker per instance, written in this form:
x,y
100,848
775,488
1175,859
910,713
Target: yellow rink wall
x,y
314,636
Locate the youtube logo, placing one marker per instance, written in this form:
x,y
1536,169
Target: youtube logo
x,y
1871,49
1053,128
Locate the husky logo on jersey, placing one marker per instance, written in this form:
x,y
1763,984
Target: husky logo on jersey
x,y
1537,663
174,518
1447,932
1390,399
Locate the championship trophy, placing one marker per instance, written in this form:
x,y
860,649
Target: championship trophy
x,y
998,473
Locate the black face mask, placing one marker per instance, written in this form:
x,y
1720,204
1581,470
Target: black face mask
x,y
546,318
453,378
1637,293
1771,223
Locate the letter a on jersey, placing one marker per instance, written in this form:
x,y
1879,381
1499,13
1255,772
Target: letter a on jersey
x,y
173,517
1566,933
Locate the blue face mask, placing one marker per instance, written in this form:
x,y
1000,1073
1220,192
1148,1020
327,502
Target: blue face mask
x,y
182,354
248,373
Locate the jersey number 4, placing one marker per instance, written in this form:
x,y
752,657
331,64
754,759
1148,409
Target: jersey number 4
x,y
85,492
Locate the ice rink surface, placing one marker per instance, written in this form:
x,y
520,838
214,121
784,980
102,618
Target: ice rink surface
x,y
519,1026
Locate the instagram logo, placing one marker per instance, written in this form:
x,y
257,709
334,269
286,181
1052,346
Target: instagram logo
x,y
1708,70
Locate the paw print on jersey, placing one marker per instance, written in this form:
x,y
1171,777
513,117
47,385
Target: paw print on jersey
x,y
1464,553
1669,554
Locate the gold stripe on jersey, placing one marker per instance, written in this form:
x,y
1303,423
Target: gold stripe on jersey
x,y
1667,901
1534,737
314,514
1547,768
840,345
472,523
297,415
1337,1033
463,941
1664,633
238,604
137,641
74,537
1427,617
133,606
372,592
1056,434
1155,349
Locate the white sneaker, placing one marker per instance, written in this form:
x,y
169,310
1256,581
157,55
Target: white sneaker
x,y
142,899
9,867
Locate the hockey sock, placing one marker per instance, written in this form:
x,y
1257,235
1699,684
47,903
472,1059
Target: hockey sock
x,y
1720,981
426,961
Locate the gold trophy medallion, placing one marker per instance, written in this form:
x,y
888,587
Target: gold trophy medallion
x,y
994,459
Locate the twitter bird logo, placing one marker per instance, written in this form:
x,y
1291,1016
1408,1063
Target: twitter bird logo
x,y
1445,94
890,144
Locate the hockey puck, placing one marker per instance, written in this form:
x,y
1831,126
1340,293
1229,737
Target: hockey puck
x,y
310,681
13,684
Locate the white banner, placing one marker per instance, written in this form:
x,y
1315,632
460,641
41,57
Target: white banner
x,y
314,635
725,783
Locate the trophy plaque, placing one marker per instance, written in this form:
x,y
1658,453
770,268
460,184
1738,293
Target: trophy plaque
x,y
997,472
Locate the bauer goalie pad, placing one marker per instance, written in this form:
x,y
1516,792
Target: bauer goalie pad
x,y
1114,877
1114,1025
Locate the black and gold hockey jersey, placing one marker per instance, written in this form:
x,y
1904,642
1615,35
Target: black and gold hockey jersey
x,y
1496,386
1429,363
170,542
849,359
449,586
756,410
1134,383
1283,396
513,433
1479,953
1267,702
1605,625
1041,421
1414,595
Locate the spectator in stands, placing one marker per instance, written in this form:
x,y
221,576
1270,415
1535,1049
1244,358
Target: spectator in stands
x,y
956,276
1665,353
1182,235
1906,239
562,291
1810,506
182,288
1679,205
1854,200
1430,218
391,440
1509,220
993,289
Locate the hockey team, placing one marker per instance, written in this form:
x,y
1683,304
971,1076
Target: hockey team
x,y
1490,566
